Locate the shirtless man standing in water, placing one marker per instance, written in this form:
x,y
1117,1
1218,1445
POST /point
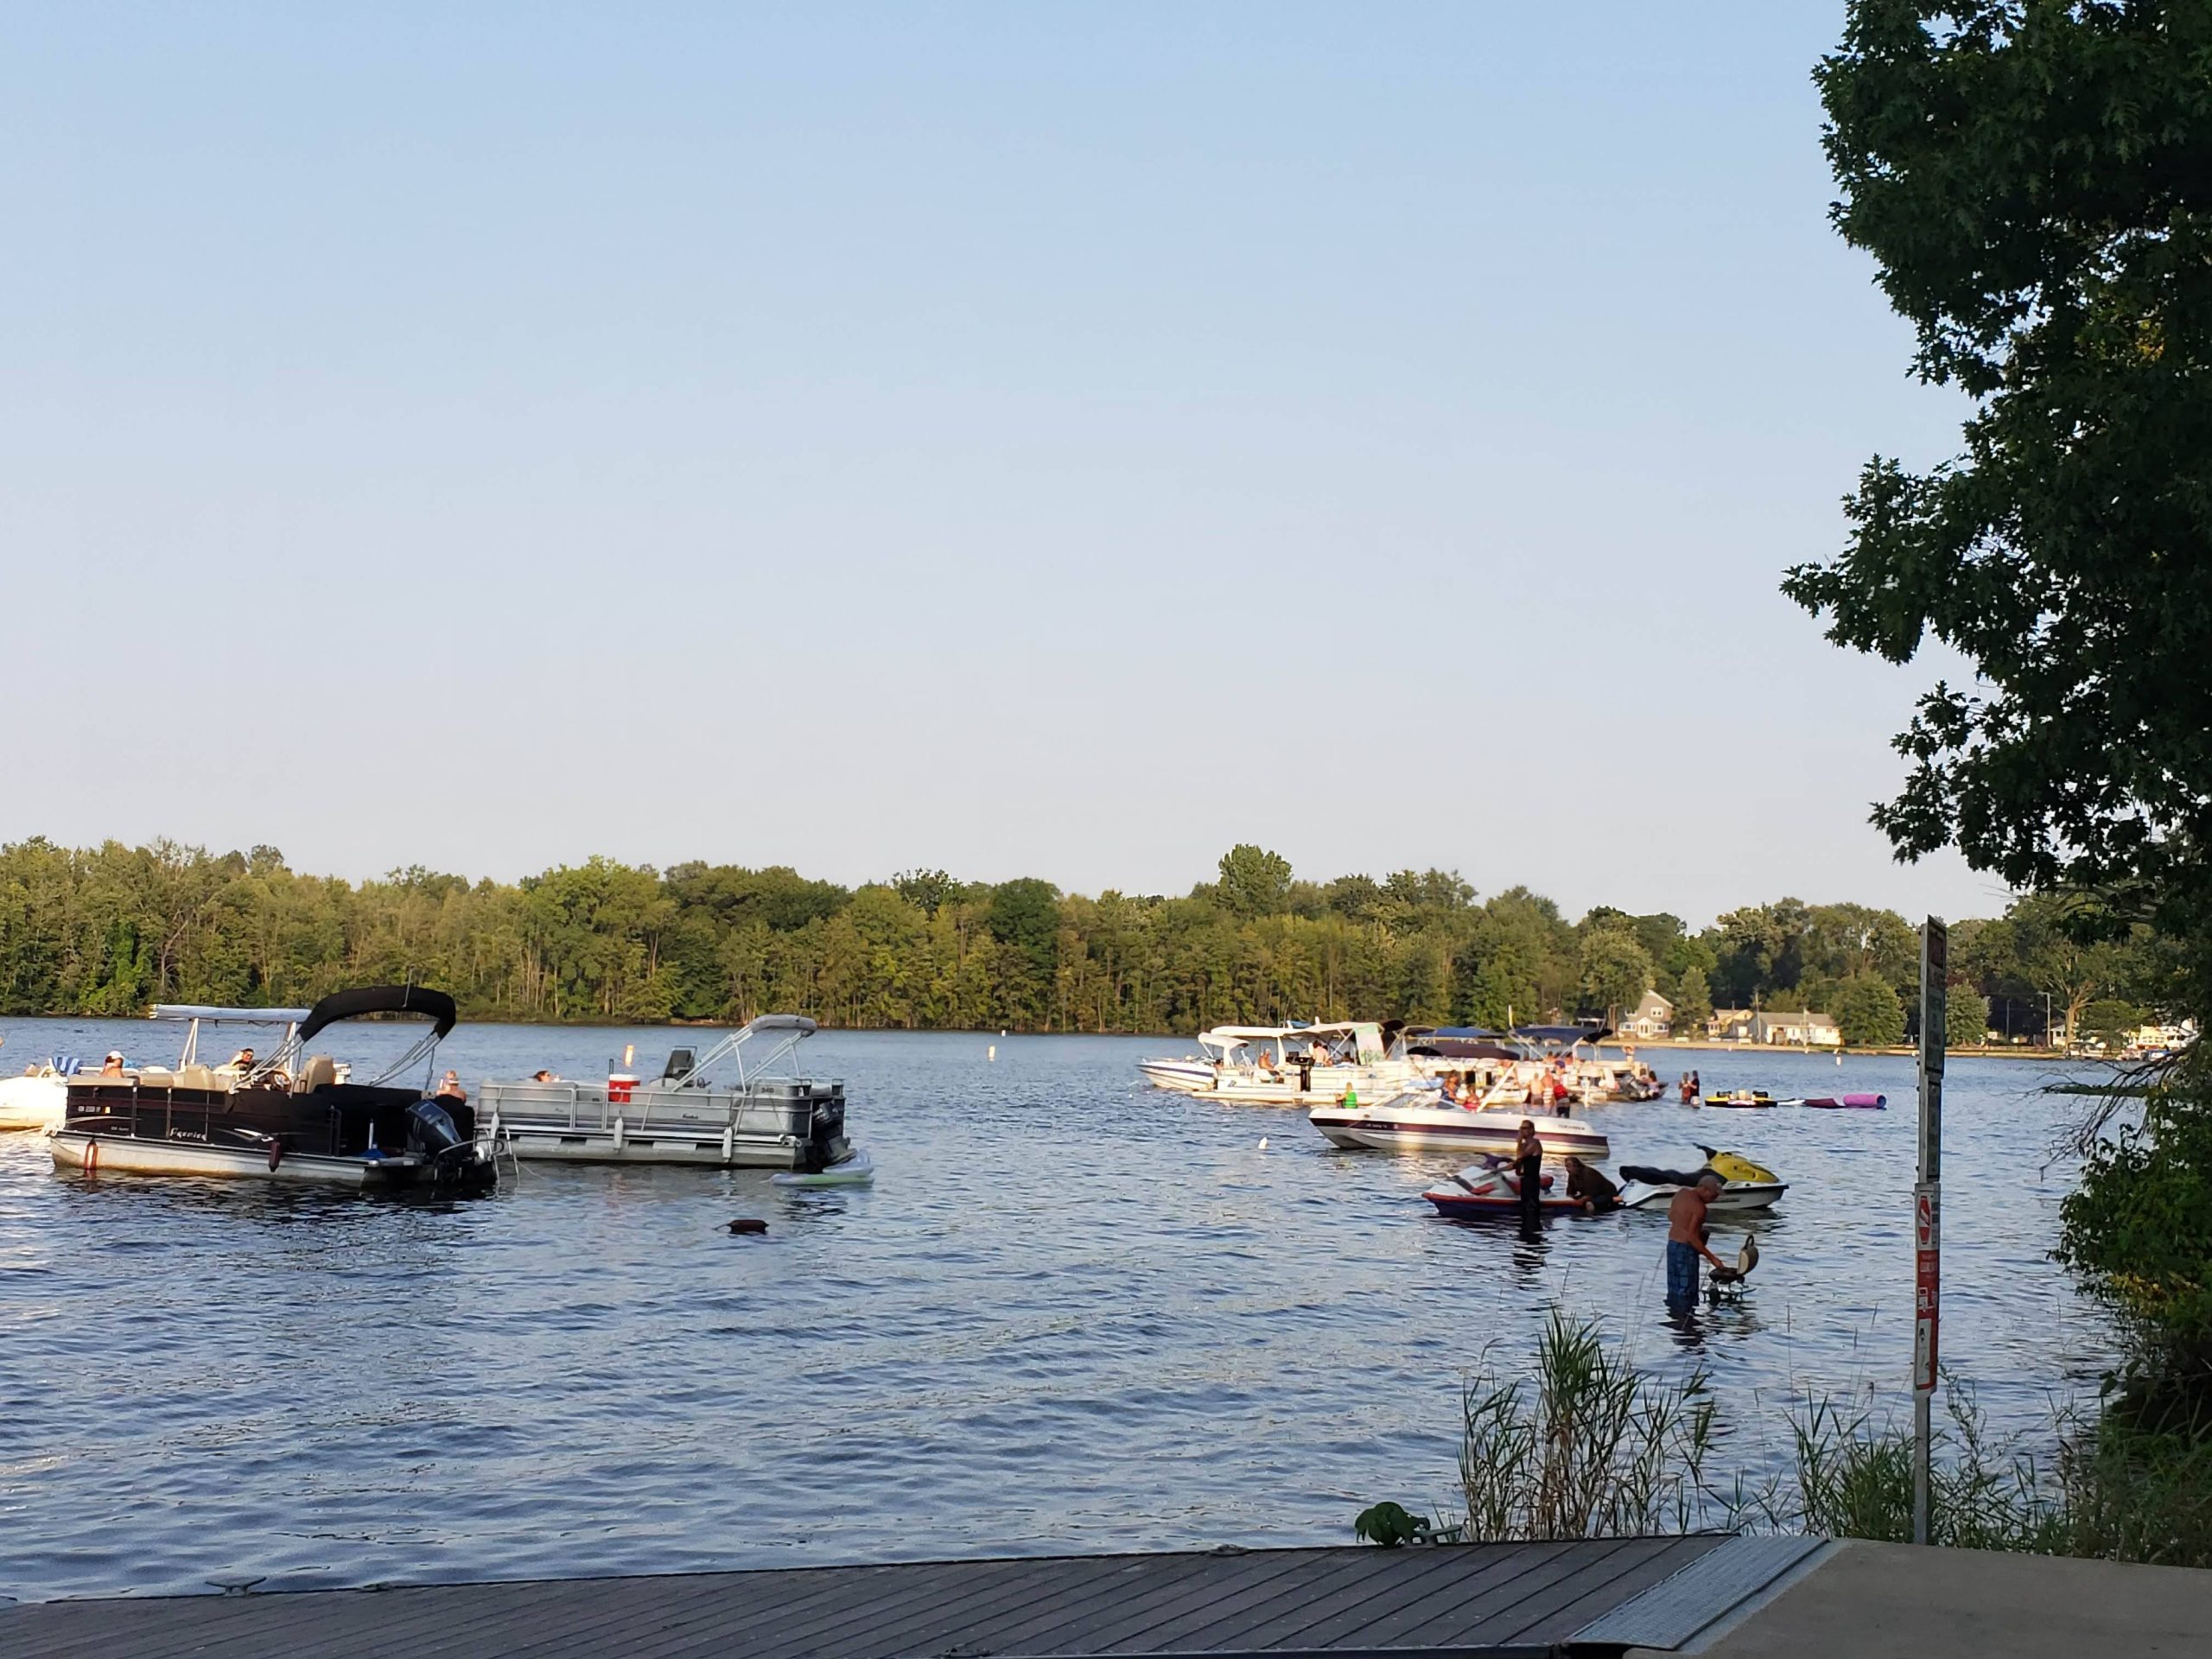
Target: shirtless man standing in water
x,y
1685,1239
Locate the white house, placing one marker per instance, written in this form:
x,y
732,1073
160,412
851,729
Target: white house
x,y
1731,1025
1653,1017
1803,1029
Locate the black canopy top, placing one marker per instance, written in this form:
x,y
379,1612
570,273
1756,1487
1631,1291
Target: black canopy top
x,y
381,998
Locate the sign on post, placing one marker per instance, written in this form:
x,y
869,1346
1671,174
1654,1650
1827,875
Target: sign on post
x,y
1927,1221
1927,1210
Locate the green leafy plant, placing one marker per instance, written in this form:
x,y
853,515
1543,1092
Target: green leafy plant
x,y
1391,1525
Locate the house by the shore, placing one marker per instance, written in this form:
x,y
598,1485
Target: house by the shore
x,y
1803,1029
1651,1019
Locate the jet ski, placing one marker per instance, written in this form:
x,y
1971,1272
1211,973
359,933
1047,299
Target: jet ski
x,y
1491,1188
1744,1185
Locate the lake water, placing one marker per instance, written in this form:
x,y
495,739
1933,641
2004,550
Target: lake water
x,y
1072,1314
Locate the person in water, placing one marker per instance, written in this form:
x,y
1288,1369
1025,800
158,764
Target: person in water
x,y
1589,1188
1529,1172
1686,1238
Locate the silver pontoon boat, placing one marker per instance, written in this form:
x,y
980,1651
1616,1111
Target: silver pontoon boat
x,y
768,1117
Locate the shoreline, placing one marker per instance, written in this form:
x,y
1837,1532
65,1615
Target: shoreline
x,y
1987,1052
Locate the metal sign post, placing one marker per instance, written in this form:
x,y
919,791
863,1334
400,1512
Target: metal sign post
x,y
1928,1209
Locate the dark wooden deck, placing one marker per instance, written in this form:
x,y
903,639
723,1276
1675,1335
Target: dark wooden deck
x,y
1346,1604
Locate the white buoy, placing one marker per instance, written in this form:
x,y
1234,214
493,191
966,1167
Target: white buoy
x,y
992,1052
1263,1143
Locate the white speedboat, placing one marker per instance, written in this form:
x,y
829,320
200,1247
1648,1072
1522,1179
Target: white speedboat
x,y
34,1101
1419,1121
1292,1065
764,1116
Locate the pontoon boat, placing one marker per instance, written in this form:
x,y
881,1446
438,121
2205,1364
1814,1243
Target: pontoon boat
x,y
283,1119
766,1117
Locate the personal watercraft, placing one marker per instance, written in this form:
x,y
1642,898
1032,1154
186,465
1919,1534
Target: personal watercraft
x,y
1492,1188
1744,1185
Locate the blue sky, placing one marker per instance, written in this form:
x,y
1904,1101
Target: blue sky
x,y
1058,440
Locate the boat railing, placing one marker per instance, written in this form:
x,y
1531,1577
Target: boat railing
x,y
764,1105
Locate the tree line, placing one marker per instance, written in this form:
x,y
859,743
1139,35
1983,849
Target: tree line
x,y
113,929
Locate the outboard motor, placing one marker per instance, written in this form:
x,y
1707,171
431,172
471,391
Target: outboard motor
x,y
431,1130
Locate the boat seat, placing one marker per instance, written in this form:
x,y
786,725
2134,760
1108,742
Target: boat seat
x,y
320,1071
197,1077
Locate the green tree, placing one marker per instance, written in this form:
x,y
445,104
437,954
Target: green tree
x,y
1615,971
1869,1013
1692,1002
2111,1022
2031,182
1254,881
1966,1018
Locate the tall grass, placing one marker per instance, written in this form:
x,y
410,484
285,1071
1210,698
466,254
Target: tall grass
x,y
1593,1445
1595,1448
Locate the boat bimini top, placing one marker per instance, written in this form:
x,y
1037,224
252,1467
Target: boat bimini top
x,y
1352,1041
434,1006
780,1035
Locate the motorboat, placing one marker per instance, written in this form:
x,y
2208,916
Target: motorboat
x,y
294,1117
1294,1065
1746,1100
1505,1068
37,1099
766,1116
1492,1188
1417,1121
1744,1185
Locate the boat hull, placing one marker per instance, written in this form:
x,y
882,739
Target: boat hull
x,y
1183,1076
33,1103
1394,1128
123,1154
1462,1206
1734,1199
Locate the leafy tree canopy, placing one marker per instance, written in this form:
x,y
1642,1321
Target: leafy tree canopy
x,y
2034,183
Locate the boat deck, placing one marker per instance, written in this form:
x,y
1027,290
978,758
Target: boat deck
x,y
1597,1596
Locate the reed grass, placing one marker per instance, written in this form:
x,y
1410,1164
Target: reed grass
x,y
1595,1447
1592,1445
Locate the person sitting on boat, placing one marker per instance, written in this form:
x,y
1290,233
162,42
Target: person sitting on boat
x,y
543,1076
1320,1054
1589,1188
449,1089
242,1062
1686,1235
112,1066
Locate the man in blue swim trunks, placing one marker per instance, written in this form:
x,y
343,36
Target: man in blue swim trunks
x,y
1686,1238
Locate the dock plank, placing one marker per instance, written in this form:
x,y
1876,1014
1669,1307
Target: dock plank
x,y
1341,1600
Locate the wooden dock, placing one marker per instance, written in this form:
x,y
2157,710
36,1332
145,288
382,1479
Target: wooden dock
x,y
1597,1597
